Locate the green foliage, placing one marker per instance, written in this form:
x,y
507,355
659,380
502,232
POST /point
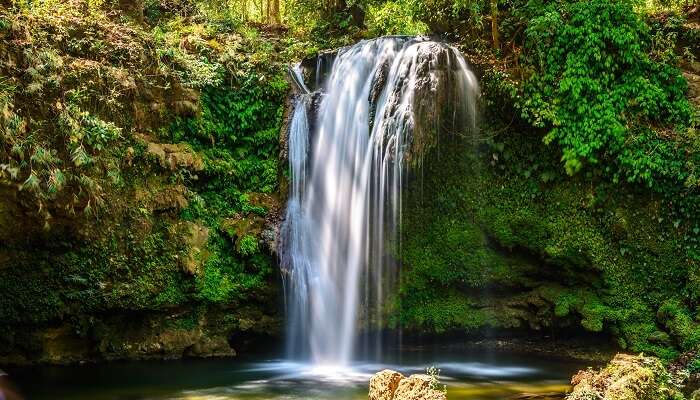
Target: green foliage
x,y
49,283
195,69
681,322
594,79
462,17
605,88
65,152
236,133
394,18
495,245
434,373
694,365
227,279
248,246
108,89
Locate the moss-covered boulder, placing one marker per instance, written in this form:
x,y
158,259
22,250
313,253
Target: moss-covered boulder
x,y
626,377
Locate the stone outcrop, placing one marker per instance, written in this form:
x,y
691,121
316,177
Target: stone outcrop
x,y
383,385
626,377
174,156
693,78
391,385
196,237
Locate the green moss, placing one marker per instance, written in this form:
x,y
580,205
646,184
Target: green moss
x,y
681,322
627,377
495,245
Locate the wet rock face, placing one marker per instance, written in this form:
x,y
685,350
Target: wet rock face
x,y
626,377
391,385
315,70
174,334
429,93
432,93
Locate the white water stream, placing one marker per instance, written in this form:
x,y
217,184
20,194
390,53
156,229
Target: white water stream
x,y
383,98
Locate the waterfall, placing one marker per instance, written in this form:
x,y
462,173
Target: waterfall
x,y
383,104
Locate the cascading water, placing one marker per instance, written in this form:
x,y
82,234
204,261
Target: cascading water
x,y
385,101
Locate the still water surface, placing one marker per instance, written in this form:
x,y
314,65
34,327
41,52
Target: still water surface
x,y
468,375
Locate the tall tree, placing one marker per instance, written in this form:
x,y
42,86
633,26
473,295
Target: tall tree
x,y
495,36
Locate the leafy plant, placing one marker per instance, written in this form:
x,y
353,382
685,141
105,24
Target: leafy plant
x,y
394,18
248,245
694,365
434,373
594,79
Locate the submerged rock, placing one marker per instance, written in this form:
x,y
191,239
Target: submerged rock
x,y
626,377
391,385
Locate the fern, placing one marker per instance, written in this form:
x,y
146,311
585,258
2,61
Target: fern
x,y
57,180
43,157
31,183
80,157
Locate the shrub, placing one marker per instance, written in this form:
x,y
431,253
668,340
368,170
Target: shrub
x,y
594,80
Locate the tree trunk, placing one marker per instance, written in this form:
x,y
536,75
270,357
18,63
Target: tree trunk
x,y
494,25
268,14
277,18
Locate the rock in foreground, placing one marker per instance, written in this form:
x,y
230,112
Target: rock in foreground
x,y
391,385
626,377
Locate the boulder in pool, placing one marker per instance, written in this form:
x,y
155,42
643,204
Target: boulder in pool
x,y
391,385
383,385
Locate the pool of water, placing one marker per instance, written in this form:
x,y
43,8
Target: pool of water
x,y
470,375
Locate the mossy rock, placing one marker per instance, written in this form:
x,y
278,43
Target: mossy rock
x,y
626,377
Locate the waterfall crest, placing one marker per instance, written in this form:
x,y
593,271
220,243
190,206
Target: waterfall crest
x,y
384,103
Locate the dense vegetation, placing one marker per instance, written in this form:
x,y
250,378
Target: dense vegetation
x,y
139,152
141,179
581,207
